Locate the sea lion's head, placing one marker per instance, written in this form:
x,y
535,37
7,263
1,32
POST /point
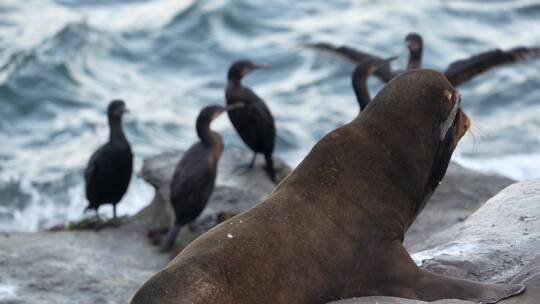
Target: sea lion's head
x,y
419,118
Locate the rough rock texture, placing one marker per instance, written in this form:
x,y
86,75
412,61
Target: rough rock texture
x,y
237,189
498,243
76,267
108,266
495,241
462,192
392,300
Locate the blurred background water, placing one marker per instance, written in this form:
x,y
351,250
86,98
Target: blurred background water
x,y
62,61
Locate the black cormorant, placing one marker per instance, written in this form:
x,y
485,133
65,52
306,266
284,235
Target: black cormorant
x,y
464,70
109,170
384,72
254,122
360,75
195,175
457,72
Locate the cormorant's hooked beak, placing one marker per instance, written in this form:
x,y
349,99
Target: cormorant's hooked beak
x,y
226,109
121,111
383,63
261,66
254,67
389,59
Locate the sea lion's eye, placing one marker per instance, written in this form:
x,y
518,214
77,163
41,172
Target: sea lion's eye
x,y
449,121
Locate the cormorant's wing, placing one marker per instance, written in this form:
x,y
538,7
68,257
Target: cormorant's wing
x,y
384,72
463,70
92,168
193,178
263,120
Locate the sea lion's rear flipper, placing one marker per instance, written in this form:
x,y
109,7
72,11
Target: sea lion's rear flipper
x,y
434,287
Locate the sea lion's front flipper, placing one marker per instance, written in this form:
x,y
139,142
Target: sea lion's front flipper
x,y
434,287
415,283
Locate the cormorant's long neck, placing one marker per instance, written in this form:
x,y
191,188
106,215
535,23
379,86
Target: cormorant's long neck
x,y
206,135
415,60
116,134
361,91
235,82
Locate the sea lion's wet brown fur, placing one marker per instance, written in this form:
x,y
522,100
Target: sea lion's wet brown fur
x,y
334,227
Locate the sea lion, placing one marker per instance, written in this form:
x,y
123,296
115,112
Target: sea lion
x,y
334,227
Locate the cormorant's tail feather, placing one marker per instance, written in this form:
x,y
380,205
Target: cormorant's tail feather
x,y
170,238
270,167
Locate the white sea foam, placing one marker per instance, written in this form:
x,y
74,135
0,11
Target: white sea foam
x,y
7,292
516,166
64,60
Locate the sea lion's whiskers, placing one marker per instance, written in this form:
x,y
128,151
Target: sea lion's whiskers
x,y
477,131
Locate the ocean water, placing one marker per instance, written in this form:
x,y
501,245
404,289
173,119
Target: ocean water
x,y
62,61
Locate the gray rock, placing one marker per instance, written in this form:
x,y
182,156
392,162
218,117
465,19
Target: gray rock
x,y
461,192
108,266
496,241
500,242
237,189
76,267
392,300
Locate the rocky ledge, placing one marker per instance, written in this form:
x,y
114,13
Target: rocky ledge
x,y
107,266
500,242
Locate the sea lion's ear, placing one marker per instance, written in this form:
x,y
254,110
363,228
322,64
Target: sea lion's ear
x,y
449,121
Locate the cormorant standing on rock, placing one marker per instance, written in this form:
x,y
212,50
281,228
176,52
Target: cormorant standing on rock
x,y
457,72
195,175
360,75
109,170
254,122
